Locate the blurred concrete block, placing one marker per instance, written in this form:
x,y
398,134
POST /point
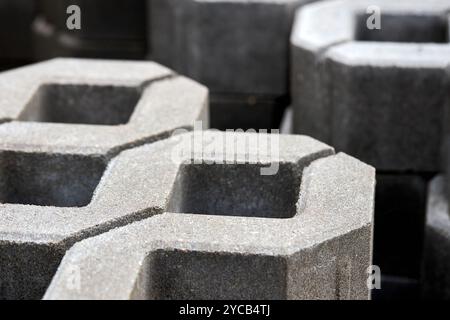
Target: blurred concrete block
x,y
230,46
107,31
235,48
300,233
352,87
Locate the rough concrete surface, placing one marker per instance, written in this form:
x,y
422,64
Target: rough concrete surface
x,y
64,105
214,245
352,87
65,120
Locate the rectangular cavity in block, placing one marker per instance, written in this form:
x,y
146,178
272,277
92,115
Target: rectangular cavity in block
x,y
82,104
208,275
404,28
236,190
48,180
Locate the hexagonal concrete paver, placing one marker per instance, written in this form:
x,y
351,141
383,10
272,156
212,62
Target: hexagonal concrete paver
x,y
64,120
302,232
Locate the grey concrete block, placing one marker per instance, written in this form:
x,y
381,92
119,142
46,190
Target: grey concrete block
x,y
102,106
303,233
351,87
49,42
236,47
64,120
436,278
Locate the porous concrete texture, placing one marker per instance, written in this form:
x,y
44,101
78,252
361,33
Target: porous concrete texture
x,y
303,233
436,277
49,201
377,95
64,120
107,31
235,48
100,106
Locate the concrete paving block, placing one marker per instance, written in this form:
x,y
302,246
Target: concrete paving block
x,y
107,31
436,277
64,120
302,233
351,86
236,47
98,105
49,201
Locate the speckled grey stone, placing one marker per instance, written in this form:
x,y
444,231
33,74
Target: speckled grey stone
x,y
436,277
59,181
352,87
215,244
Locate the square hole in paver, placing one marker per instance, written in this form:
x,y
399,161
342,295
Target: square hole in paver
x,y
235,190
410,28
82,104
48,180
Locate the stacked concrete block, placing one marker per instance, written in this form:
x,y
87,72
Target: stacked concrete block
x,y
239,49
377,94
16,17
64,121
227,231
115,31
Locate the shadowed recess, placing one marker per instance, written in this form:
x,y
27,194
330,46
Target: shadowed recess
x,y
236,190
411,28
180,274
82,104
49,180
